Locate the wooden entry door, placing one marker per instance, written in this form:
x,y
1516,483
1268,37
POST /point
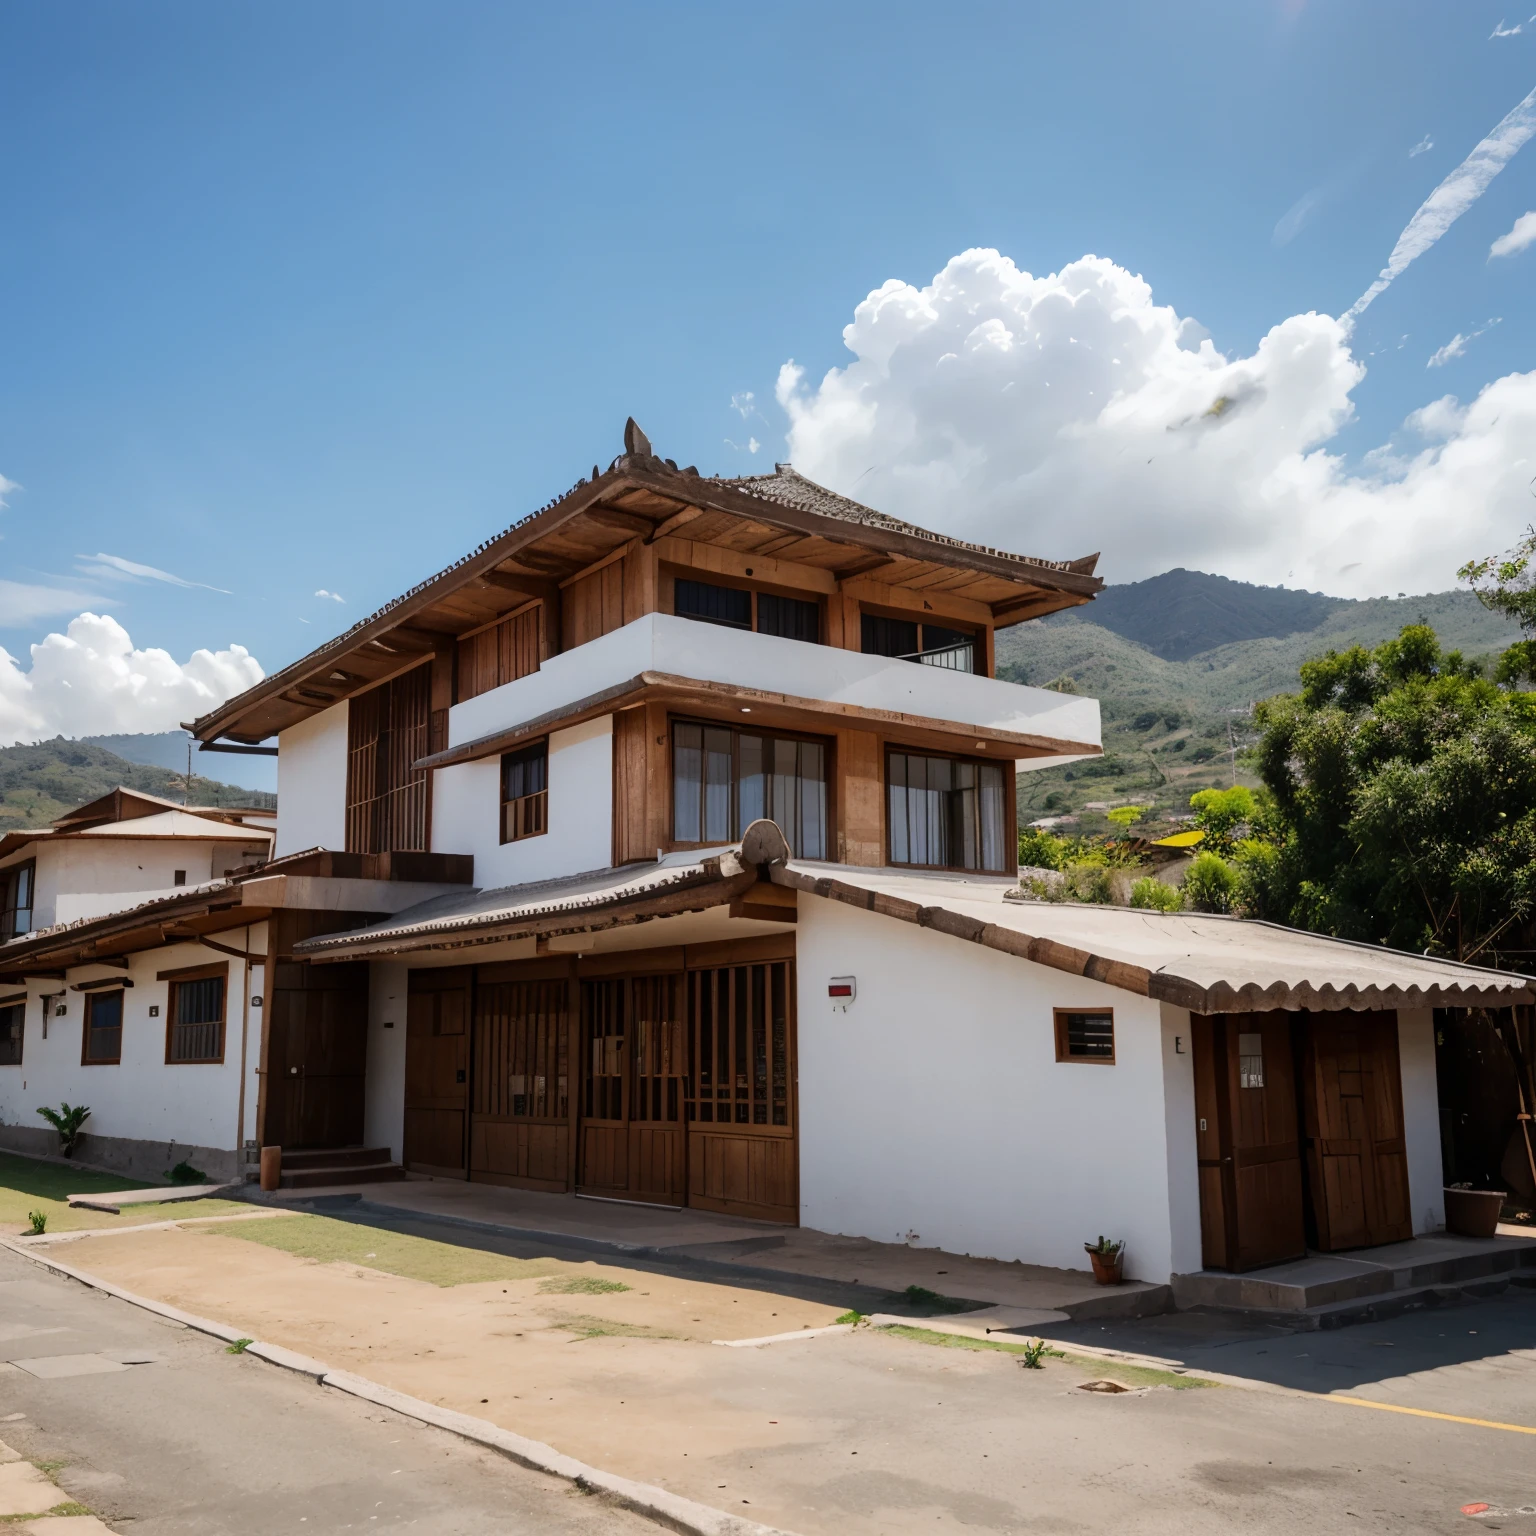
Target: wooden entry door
x,y
1247,1130
437,1072
742,1146
520,1121
1357,1159
634,1040
315,1054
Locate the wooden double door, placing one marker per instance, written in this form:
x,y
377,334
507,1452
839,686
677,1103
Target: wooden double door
x,y
1299,1125
673,1086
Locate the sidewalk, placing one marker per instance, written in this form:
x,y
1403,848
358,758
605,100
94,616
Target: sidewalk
x,y
1012,1295
25,1490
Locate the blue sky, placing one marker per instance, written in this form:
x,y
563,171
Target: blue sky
x,y
315,297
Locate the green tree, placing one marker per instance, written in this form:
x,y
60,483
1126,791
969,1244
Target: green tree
x,y
1402,802
1220,814
1507,584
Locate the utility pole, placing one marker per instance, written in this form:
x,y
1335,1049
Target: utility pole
x,y
1231,743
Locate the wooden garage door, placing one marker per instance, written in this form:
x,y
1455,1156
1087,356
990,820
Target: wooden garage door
x,y
1357,1158
742,1148
520,1117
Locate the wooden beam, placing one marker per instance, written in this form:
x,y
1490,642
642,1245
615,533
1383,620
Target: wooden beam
x,y
673,523
516,581
625,522
864,564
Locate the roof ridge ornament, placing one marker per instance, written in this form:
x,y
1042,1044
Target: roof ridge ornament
x,y
635,441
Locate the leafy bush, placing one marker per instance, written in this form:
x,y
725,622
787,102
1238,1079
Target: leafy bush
x,y
1220,813
1210,884
1039,849
67,1120
185,1173
1156,895
39,1220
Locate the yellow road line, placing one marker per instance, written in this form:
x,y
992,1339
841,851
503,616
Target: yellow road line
x,y
1427,1413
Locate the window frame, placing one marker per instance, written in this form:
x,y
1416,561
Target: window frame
x,y
1064,1054
541,796
828,745
975,633
1010,828
10,879
754,590
174,980
87,1028
19,1002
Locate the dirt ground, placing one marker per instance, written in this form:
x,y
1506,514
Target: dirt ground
x,y
864,1432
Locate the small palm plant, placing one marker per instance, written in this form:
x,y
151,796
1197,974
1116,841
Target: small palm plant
x,y
67,1120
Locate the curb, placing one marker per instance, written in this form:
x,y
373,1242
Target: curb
x,y
665,1508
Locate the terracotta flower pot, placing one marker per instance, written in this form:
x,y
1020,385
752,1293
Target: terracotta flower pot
x,y
1107,1271
1473,1212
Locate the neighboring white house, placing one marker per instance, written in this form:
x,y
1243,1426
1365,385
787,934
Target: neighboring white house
x,y
664,849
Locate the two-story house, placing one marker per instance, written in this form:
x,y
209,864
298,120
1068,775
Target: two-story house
x,y
664,849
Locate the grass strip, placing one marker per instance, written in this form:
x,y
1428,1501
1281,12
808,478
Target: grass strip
x,y
327,1241
28,1184
1115,1370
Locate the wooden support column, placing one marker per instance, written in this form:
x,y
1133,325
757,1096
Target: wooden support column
x,y
860,802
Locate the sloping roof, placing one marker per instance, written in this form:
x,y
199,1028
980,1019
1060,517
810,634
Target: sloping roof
x,y
174,823
787,487
574,904
1208,964
1200,961
639,496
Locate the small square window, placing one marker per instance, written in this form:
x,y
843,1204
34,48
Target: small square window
x,y
180,877
1086,1036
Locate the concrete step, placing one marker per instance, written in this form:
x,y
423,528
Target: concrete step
x,y
1366,1282
350,1173
334,1157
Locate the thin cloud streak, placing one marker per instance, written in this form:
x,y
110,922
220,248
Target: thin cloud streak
x,y
117,564
1457,193
1521,235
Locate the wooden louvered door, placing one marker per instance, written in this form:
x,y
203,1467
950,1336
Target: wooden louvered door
x,y
520,1119
742,1148
1248,1140
1357,1158
633,1043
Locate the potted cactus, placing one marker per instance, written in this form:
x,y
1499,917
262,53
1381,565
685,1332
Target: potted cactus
x,y
1108,1259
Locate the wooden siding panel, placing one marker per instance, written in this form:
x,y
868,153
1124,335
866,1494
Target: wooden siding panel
x,y
388,729
859,804
632,788
501,653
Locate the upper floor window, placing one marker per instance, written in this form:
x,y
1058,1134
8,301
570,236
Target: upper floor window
x,y
946,812
387,730
525,792
195,1029
792,618
724,779
13,1020
933,645
16,886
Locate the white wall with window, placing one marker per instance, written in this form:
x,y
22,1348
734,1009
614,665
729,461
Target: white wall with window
x,y
155,1051
936,1105
468,812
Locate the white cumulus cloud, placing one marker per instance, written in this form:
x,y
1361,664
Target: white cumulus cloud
x,y
1521,235
92,681
1061,414
335,597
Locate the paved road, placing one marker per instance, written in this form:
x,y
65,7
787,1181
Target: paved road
x,y
203,1441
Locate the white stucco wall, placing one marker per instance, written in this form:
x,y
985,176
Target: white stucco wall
x,y
312,783
1421,1117
661,642
466,812
384,1089
142,1098
936,1105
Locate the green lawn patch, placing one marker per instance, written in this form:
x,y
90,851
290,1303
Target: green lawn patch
x,y
586,1327
28,1184
328,1241
582,1285
1115,1370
